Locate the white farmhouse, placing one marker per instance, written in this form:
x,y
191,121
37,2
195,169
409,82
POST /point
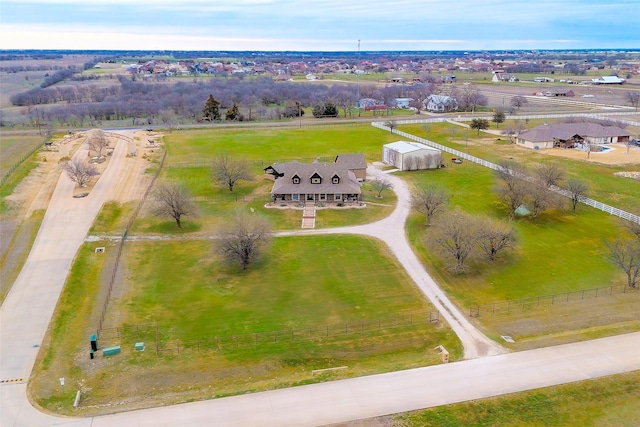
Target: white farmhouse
x,y
441,103
406,155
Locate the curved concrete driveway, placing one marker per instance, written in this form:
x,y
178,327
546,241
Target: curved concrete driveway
x,y
27,310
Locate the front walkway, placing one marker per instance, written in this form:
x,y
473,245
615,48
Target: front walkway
x,y
309,215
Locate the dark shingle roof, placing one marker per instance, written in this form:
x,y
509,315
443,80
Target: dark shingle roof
x,y
568,130
348,183
352,161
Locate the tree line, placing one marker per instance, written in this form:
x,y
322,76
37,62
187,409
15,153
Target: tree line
x,y
175,103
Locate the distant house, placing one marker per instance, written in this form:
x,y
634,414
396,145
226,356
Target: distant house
x,y
544,80
314,182
406,155
608,80
503,77
441,104
553,93
571,135
402,102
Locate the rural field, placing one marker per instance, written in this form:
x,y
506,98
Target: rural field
x,y
261,327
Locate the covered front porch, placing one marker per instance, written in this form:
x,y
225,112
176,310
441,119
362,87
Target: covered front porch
x,y
317,198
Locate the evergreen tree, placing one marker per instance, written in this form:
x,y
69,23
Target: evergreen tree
x,y
233,113
211,109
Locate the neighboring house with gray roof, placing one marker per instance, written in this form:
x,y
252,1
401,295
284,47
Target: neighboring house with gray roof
x,y
409,155
571,135
314,182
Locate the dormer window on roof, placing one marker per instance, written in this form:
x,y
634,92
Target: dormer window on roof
x,y
335,179
316,178
296,179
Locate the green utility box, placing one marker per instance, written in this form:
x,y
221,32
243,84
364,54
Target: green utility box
x,y
139,346
111,351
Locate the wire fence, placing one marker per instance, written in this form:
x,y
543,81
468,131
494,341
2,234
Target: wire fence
x,y
500,307
114,270
17,164
154,334
461,155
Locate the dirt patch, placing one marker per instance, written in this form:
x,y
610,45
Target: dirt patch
x,y
617,155
632,175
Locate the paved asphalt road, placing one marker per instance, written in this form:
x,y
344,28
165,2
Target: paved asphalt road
x,y
26,312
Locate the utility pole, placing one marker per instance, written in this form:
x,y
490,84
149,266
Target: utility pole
x,y
358,83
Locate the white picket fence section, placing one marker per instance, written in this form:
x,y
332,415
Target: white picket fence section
x,y
459,154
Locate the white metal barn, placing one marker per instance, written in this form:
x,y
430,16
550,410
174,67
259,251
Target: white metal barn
x,y
406,155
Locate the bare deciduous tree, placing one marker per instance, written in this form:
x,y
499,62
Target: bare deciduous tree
x,y
512,188
97,142
633,98
391,124
494,236
429,200
578,191
244,239
80,171
409,163
540,198
229,171
626,255
380,184
518,101
634,228
457,235
173,200
550,174
513,131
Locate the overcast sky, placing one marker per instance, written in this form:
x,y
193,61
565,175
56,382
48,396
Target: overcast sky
x,y
319,25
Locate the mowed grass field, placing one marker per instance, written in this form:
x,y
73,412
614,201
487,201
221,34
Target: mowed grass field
x,y
183,287
610,401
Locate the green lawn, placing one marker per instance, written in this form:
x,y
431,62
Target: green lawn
x,y
264,145
184,286
610,401
181,286
559,251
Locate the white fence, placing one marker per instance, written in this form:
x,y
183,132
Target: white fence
x,y
590,202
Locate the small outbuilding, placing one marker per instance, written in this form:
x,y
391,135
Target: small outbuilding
x,y
407,155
